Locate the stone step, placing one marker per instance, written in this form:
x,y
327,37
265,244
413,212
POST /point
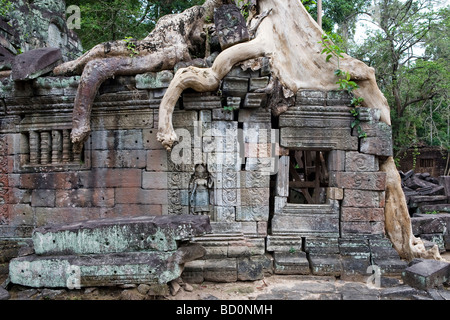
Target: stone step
x,y
115,235
425,274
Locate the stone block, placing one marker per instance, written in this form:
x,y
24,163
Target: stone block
x,y
34,63
321,246
354,247
314,138
85,198
282,178
435,238
279,204
252,268
43,198
325,265
358,162
338,98
431,224
222,114
362,198
141,196
334,193
74,271
154,80
184,119
390,266
377,146
154,180
254,179
109,178
335,160
284,243
252,213
220,270
291,263
258,83
149,140
118,159
370,115
230,25
235,87
375,181
306,225
156,160
234,102
117,235
377,129
193,271
360,228
362,214
311,98
255,100
224,214
255,115
427,274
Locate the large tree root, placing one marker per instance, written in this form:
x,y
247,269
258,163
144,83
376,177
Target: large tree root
x,y
290,37
202,80
172,40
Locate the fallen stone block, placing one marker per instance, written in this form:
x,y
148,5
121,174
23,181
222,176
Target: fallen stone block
x,y
431,224
94,270
145,233
34,63
230,25
426,274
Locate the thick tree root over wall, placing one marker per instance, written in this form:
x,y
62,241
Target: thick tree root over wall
x,y
290,38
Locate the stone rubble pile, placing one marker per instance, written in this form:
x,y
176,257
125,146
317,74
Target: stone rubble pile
x,y
428,200
108,252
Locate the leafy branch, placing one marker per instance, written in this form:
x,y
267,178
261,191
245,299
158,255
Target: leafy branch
x,y
332,49
131,46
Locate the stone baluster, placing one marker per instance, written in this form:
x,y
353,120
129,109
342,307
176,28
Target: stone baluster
x,y
56,146
66,146
34,147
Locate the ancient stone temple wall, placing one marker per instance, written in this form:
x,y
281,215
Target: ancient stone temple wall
x,y
297,193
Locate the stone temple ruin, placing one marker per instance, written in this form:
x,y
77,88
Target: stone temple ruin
x,y
253,187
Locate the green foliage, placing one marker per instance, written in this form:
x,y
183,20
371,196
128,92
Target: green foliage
x,y
244,5
131,45
5,7
330,42
410,51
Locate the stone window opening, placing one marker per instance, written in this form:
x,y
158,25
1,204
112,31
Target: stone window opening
x,y
426,163
308,177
